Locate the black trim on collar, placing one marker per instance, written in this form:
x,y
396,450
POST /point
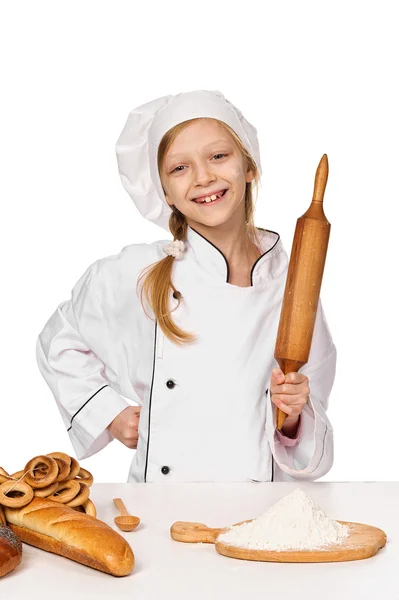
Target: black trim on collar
x,y
225,259
267,251
216,248
87,401
150,403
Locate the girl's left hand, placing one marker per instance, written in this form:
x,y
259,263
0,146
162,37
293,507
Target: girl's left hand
x,y
289,392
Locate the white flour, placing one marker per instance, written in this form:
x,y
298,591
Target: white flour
x,y
293,523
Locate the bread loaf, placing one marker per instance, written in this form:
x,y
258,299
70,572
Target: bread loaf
x,y
10,550
60,529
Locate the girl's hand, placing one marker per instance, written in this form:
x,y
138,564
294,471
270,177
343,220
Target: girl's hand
x,y
125,426
290,393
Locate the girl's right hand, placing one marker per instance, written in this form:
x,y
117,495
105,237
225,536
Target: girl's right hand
x,y
125,426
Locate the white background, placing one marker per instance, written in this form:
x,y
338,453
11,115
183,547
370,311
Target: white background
x,y
313,77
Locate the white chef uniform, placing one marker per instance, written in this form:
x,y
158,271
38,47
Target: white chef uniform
x,y
206,410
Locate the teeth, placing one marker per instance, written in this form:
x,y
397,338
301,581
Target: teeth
x,y
209,198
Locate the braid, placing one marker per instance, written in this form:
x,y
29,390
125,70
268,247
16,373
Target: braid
x,y
178,224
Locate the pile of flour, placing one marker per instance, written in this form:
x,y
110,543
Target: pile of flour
x,y
293,523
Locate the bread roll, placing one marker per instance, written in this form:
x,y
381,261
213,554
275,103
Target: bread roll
x,y
60,529
10,550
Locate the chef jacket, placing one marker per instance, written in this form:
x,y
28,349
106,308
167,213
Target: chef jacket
x,y
206,412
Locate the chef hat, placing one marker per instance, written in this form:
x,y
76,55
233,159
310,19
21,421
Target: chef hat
x,y
137,145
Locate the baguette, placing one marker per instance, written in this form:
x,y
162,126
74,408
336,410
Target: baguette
x,y
62,530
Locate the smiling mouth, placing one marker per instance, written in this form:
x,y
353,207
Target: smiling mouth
x,y
210,199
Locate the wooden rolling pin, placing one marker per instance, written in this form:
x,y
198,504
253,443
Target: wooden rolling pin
x,y
302,289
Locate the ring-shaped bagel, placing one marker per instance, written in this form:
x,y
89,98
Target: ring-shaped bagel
x,y
62,456
15,501
75,468
63,469
81,497
4,476
67,490
89,508
39,477
3,520
47,491
17,475
85,476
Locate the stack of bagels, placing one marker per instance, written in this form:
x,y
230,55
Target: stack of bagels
x,y
55,476
47,505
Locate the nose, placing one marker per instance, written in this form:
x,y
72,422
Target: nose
x,y
203,174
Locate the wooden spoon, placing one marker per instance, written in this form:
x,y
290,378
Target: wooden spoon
x,y
125,522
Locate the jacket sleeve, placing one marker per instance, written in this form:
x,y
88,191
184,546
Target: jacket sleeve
x,y
311,455
75,374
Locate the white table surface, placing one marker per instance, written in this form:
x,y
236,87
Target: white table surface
x,y
168,569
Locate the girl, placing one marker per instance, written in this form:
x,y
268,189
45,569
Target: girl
x,y
189,337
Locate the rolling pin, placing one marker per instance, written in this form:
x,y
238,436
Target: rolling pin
x,y
302,289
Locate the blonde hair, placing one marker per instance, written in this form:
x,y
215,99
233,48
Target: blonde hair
x,y
158,276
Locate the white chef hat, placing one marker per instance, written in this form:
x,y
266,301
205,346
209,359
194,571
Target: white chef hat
x,y
137,145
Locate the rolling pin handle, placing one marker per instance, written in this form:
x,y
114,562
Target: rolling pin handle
x,y
287,366
320,180
281,417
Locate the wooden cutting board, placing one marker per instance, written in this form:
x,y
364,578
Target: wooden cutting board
x,y
364,541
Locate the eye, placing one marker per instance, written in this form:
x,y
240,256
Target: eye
x,y
175,169
219,154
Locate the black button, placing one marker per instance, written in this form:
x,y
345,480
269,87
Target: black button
x,y
165,470
176,295
170,384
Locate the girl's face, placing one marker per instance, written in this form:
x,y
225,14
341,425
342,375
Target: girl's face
x,y
202,161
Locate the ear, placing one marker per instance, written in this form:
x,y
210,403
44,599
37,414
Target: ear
x,y
250,176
